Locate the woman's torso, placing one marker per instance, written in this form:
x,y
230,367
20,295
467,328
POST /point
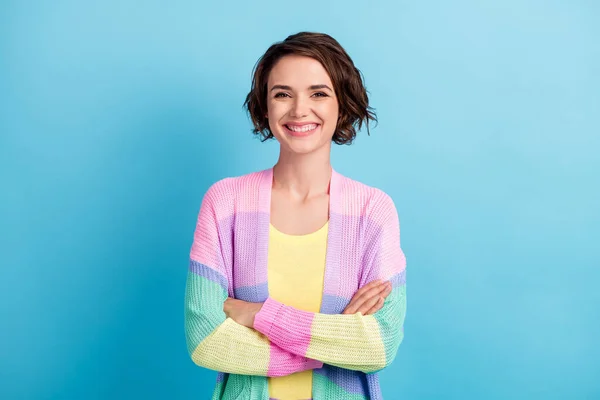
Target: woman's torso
x,y
296,269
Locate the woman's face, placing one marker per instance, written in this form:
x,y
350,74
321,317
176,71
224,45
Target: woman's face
x,y
302,105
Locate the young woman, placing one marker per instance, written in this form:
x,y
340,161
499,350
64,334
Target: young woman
x,y
296,287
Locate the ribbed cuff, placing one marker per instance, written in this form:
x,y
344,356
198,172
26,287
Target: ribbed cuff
x,y
263,320
274,321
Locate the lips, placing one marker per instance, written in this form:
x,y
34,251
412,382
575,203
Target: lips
x,y
301,130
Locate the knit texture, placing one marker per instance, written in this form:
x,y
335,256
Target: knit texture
x,y
228,258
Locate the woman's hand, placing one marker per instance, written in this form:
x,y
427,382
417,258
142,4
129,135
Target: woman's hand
x,y
240,311
369,298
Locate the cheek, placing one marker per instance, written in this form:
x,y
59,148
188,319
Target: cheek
x,y
329,113
274,114
276,109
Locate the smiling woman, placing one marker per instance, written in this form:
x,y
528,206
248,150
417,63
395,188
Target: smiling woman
x,y
297,286
300,109
309,65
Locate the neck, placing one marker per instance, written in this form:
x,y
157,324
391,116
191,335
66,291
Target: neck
x,y
303,175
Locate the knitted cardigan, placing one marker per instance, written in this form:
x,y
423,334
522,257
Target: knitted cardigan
x,y
228,258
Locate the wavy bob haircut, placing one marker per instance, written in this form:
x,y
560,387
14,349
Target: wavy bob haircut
x,y
348,84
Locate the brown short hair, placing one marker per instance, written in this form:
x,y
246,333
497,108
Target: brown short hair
x,y
347,81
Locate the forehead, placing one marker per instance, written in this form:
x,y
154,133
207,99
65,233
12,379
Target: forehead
x,y
298,72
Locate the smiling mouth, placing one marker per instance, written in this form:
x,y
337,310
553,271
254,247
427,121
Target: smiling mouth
x,y
301,130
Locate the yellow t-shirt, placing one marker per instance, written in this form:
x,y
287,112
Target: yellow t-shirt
x,y
296,270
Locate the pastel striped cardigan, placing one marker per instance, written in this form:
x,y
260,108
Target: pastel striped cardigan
x,y
229,258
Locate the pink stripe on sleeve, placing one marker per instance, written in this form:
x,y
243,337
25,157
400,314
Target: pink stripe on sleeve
x,y
271,322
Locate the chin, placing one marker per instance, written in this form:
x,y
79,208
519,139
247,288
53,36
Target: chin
x,y
302,148
302,145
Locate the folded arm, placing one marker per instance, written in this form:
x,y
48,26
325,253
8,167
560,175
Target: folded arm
x,y
213,340
366,343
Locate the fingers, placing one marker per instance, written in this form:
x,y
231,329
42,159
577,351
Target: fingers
x,y
369,303
367,296
387,290
226,306
353,306
373,305
376,307
367,287
363,294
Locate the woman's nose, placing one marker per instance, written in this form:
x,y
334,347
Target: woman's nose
x,y
299,108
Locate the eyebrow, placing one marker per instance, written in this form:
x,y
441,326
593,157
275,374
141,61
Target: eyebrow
x,y
313,87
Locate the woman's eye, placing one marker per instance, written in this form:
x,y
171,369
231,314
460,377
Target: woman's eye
x,y
317,94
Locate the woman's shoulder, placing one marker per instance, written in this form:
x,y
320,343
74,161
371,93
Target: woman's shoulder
x,y
358,194
230,189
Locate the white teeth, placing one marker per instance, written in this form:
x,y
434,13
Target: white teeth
x,y
304,128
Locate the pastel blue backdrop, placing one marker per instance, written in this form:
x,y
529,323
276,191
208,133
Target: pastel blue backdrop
x,y
116,116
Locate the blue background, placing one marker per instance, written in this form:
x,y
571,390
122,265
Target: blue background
x,y
116,116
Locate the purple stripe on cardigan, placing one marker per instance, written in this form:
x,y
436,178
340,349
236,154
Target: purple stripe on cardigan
x,y
208,273
341,281
253,294
225,229
243,250
354,382
374,387
332,280
399,279
333,304
221,376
